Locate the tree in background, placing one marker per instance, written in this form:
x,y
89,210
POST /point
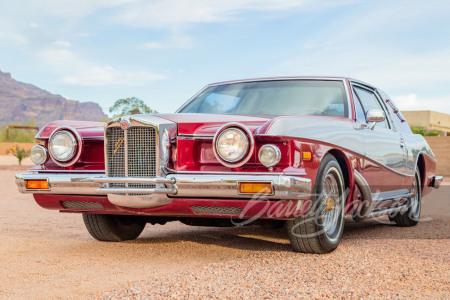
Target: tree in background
x,y
130,106
19,135
425,132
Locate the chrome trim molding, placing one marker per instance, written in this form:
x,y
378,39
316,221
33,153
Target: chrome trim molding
x,y
196,136
366,194
60,183
387,211
177,185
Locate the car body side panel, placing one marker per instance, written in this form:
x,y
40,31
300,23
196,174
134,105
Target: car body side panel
x,y
384,164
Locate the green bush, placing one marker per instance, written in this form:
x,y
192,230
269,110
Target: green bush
x,y
19,135
425,132
20,153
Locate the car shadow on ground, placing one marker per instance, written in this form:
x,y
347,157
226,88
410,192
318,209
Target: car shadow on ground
x,y
257,238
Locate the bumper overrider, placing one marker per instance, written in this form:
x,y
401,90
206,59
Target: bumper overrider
x,y
207,186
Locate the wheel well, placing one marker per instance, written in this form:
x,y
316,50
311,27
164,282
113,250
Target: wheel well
x,y
343,164
421,166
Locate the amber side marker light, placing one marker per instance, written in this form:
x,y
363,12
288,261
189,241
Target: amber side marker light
x,y
306,155
37,184
255,188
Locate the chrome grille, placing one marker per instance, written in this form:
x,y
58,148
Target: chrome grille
x,y
141,154
115,161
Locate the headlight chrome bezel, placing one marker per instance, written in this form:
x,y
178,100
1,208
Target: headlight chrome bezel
x,y
77,141
243,159
277,155
165,145
39,147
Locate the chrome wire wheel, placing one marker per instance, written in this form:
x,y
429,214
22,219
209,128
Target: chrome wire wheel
x,y
331,201
320,229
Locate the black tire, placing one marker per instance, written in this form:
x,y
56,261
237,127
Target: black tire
x,y
412,215
113,228
312,233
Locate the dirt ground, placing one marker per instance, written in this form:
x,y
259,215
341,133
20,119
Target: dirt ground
x,y
45,254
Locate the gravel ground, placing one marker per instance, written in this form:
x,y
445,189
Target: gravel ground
x,y
45,254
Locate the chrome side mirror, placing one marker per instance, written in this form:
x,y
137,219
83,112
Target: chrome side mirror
x,y
374,116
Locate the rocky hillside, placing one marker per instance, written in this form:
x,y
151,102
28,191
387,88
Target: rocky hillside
x,y
20,102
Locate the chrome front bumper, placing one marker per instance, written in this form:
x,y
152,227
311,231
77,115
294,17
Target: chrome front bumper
x,y
222,186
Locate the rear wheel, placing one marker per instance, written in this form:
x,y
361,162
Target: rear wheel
x,y
320,229
412,215
113,228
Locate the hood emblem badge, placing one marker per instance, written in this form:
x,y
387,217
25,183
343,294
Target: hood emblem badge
x,y
124,124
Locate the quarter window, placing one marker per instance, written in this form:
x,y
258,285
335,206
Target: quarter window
x,y
369,101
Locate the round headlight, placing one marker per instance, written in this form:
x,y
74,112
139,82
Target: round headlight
x,y
232,145
165,145
269,155
63,146
39,154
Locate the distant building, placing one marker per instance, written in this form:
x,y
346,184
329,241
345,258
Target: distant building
x,y
429,119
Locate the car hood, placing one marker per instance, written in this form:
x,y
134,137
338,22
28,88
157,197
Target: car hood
x,y
208,124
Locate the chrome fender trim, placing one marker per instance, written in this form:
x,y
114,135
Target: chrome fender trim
x,y
366,194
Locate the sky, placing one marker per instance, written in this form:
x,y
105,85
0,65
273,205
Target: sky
x,y
163,52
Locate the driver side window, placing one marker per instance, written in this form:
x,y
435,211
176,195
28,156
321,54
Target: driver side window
x,y
369,101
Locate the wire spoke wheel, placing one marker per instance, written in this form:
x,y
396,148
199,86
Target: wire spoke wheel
x,y
320,229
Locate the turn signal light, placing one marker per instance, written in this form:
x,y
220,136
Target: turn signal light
x,y
306,155
255,188
37,184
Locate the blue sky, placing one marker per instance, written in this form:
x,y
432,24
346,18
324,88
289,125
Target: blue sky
x,y
165,51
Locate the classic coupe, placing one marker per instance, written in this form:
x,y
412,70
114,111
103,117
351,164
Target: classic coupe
x,y
297,152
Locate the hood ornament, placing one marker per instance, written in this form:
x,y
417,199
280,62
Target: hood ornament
x,y
124,124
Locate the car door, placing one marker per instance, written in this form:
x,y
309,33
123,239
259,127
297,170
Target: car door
x,y
384,164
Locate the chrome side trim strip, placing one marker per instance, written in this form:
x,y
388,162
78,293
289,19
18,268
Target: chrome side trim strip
x,y
171,171
388,211
196,136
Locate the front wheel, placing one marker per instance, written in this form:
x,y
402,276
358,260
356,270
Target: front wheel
x,y
113,228
320,229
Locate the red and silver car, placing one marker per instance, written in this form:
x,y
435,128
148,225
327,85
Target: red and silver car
x,y
301,152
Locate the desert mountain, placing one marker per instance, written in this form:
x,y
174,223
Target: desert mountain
x,y
20,102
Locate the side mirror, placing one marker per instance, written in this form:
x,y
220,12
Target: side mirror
x,y
374,116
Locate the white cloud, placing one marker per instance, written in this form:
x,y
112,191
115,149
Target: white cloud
x,y
407,102
175,41
170,13
77,71
60,43
415,102
153,45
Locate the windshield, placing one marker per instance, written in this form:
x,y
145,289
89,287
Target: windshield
x,y
278,97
